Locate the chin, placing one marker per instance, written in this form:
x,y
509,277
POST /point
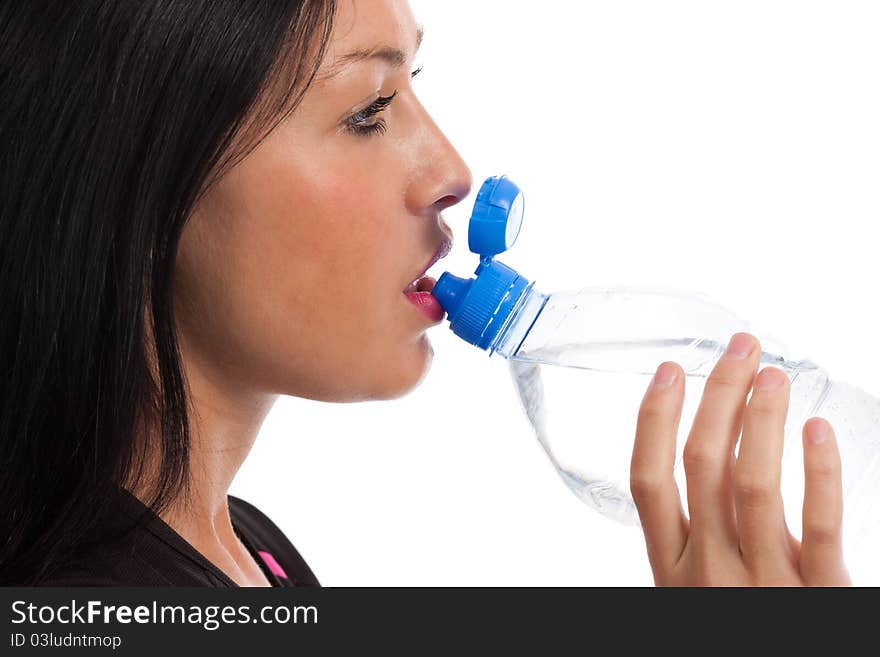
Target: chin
x,y
410,374
410,367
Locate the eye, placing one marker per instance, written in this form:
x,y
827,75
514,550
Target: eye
x,y
358,123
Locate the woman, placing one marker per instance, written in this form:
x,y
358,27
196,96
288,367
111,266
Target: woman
x,y
191,191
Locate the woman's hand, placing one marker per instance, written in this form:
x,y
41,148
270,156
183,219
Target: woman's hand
x,y
737,534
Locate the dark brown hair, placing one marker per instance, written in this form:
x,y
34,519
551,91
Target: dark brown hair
x,y
116,117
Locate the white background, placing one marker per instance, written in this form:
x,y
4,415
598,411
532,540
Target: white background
x,y
730,148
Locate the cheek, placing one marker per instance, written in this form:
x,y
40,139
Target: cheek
x,y
298,292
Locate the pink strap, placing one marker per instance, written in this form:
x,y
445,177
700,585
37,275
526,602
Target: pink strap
x,y
274,566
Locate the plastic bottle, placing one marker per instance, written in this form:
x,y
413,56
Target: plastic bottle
x,y
581,361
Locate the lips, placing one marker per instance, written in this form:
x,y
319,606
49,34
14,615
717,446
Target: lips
x,y
426,284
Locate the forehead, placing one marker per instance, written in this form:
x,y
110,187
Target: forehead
x,y
365,24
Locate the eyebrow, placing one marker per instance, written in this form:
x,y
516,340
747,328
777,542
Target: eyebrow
x,y
393,56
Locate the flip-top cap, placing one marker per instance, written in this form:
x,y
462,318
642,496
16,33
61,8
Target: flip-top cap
x,y
478,307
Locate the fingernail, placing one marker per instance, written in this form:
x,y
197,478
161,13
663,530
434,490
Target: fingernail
x,y
664,376
818,432
741,346
770,378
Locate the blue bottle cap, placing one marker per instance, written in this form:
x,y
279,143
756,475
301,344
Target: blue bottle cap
x,y
497,217
478,308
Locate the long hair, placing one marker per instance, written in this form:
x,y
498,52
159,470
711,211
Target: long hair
x,y
115,117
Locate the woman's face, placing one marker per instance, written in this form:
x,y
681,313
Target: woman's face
x,y
291,271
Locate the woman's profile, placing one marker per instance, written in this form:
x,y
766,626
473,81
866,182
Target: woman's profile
x,y
193,196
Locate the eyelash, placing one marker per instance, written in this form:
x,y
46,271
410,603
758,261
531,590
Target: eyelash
x,y
355,125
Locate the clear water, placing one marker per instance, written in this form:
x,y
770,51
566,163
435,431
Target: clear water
x,y
582,401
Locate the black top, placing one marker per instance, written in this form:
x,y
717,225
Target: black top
x,y
156,555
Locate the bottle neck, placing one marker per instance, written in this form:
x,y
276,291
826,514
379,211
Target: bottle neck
x,y
519,322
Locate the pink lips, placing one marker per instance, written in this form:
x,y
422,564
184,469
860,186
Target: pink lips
x,y
426,302
418,293
441,253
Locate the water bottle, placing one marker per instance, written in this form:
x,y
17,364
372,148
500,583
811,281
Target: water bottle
x,y
582,359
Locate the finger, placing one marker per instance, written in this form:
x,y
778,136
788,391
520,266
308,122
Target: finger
x,y
651,471
822,546
763,534
708,454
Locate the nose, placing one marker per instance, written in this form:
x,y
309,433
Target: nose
x,y
443,178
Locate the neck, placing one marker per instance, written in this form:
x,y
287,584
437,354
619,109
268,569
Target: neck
x,y
224,421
